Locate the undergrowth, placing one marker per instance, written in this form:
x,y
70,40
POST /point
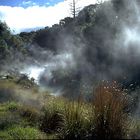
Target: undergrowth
x,y
106,116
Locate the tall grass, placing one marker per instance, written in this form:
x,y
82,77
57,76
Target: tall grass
x,y
75,121
52,118
110,116
105,117
134,129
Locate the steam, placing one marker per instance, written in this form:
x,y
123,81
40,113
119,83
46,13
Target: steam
x,y
86,63
33,72
63,61
107,50
132,36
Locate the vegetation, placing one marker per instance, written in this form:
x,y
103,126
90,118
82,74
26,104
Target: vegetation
x,y
18,132
58,117
107,112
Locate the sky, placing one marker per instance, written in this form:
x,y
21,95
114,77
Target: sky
x,y
27,15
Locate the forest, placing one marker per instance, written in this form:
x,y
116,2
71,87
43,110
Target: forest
x,y
79,79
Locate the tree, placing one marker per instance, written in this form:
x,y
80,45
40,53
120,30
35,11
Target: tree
x,y
74,9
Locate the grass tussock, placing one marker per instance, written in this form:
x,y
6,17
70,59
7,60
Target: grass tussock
x,y
52,118
76,120
110,105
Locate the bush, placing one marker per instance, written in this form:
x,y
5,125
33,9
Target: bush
x,y
11,106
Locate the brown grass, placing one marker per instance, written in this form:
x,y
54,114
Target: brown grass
x,y
109,107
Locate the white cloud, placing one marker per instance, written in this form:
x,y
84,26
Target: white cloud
x,y
19,18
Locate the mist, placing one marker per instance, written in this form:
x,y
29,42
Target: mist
x,y
76,57
111,53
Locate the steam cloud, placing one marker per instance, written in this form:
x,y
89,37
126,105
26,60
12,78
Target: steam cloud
x,y
81,62
107,50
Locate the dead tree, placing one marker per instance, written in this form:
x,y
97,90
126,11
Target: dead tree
x,y
74,9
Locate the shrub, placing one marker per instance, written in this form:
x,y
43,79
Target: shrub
x,y
11,106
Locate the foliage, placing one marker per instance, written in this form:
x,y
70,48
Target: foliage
x,y
18,132
134,129
76,121
25,112
60,118
10,44
8,119
5,136
52,118
29,114
101,118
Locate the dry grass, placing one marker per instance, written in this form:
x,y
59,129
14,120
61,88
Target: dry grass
x,y
109,107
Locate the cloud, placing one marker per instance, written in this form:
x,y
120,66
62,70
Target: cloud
x,y
35,16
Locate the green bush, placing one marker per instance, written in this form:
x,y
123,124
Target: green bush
x,y
11,106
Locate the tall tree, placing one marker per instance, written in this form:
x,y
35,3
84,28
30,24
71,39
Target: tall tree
x,y
74,9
